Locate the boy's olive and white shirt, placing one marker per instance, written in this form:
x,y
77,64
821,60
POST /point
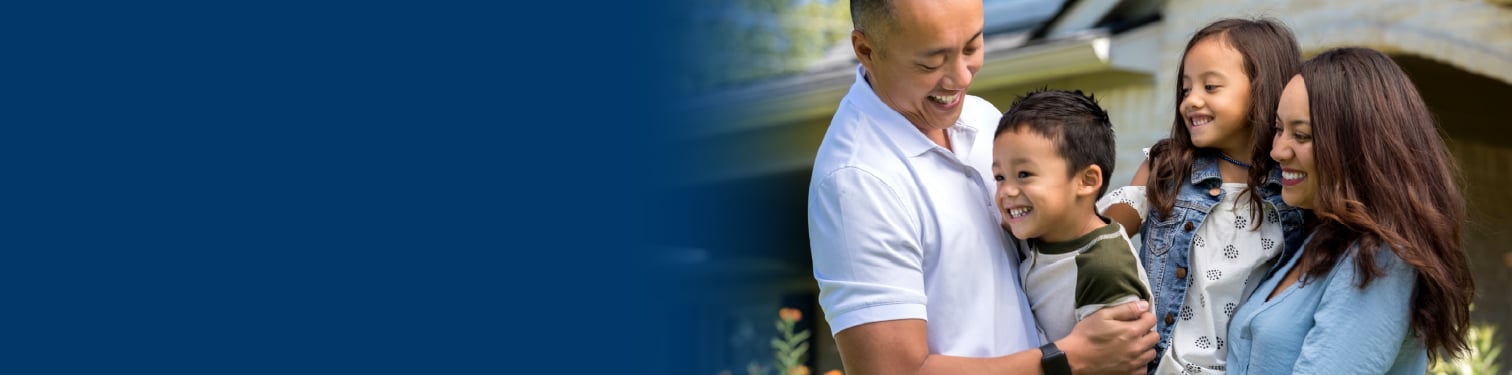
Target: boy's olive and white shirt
x,y
1067,281
902,228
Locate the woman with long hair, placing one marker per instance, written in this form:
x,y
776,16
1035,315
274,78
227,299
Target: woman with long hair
x,y
1381,284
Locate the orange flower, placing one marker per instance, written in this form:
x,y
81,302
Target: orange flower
x,y
833,372
790,314
800,370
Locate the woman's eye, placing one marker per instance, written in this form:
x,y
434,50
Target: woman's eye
x,y
928,68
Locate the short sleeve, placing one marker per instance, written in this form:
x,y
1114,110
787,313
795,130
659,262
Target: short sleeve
x,y
867,258
1108,276
1134,196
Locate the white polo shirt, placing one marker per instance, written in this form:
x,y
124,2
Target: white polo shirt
x,y
902,228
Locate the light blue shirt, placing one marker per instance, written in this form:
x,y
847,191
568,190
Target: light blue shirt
x,y
1329,325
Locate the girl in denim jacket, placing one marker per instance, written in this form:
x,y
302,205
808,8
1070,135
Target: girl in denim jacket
x,y
1211,221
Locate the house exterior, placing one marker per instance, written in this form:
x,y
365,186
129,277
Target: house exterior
x,y
763,137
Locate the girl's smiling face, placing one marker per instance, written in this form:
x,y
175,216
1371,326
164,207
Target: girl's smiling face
x,y
1216,97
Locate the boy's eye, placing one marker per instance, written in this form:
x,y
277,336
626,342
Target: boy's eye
x,y
997,177
1024,175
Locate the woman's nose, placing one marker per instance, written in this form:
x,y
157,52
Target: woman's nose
x,y
1280,151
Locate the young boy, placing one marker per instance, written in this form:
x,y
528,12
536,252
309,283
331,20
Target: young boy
x,y
1052,155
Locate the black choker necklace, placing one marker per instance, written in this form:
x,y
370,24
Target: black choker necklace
x,y
1231,160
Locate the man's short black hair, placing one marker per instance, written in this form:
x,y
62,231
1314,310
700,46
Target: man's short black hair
x,y
873,18
1074,122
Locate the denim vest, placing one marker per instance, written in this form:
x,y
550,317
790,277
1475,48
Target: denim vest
x,y
1166,242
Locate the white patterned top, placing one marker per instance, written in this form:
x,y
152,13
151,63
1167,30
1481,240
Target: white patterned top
x,y
1225,251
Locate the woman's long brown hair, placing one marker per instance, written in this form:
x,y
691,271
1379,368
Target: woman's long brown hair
x,y
1385,178
1271,57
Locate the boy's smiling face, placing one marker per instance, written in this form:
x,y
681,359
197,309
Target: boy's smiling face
x,y
1036,194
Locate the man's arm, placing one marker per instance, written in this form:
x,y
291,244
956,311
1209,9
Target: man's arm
x,y
901,347
1115,340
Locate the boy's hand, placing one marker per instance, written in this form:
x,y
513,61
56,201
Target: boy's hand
x,y
1114,340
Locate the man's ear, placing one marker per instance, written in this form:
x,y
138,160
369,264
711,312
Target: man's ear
x,y
865,51
1089,180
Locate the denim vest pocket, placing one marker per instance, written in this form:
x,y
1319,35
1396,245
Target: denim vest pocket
x,y
1164,231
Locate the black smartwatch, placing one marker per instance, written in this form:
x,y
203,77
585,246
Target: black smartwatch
x,y
1053,360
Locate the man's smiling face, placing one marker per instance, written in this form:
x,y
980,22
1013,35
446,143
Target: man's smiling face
x,y
927,59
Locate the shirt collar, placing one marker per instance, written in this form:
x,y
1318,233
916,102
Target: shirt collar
x,y
902,132
1206,167
1108,227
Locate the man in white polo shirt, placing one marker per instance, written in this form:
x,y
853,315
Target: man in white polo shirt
x,y
915,273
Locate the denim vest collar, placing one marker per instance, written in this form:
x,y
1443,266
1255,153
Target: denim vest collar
x,y
1206,168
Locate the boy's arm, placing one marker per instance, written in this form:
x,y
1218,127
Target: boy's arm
x,y
1108,275
1116,340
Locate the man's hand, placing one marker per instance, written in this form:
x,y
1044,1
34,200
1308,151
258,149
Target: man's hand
x,y
1114,340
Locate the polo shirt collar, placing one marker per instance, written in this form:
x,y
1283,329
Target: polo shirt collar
x,y
902,132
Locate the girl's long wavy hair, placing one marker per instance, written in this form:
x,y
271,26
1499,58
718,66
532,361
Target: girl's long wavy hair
x,y
1385,178
1271,57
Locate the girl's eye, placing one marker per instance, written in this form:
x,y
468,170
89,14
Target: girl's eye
x,y
1184,91
1023,175
1210,88
997,177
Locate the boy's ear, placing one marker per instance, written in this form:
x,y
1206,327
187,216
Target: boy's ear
x,y
1089,180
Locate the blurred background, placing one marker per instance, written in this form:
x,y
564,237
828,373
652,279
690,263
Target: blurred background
x,y
758,81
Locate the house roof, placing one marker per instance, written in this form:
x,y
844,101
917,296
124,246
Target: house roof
x,y
1025,42
1007,24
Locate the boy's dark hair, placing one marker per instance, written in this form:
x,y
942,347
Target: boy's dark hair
x,y
1074,122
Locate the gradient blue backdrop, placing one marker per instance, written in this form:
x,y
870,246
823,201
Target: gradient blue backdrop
x,y
333,187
